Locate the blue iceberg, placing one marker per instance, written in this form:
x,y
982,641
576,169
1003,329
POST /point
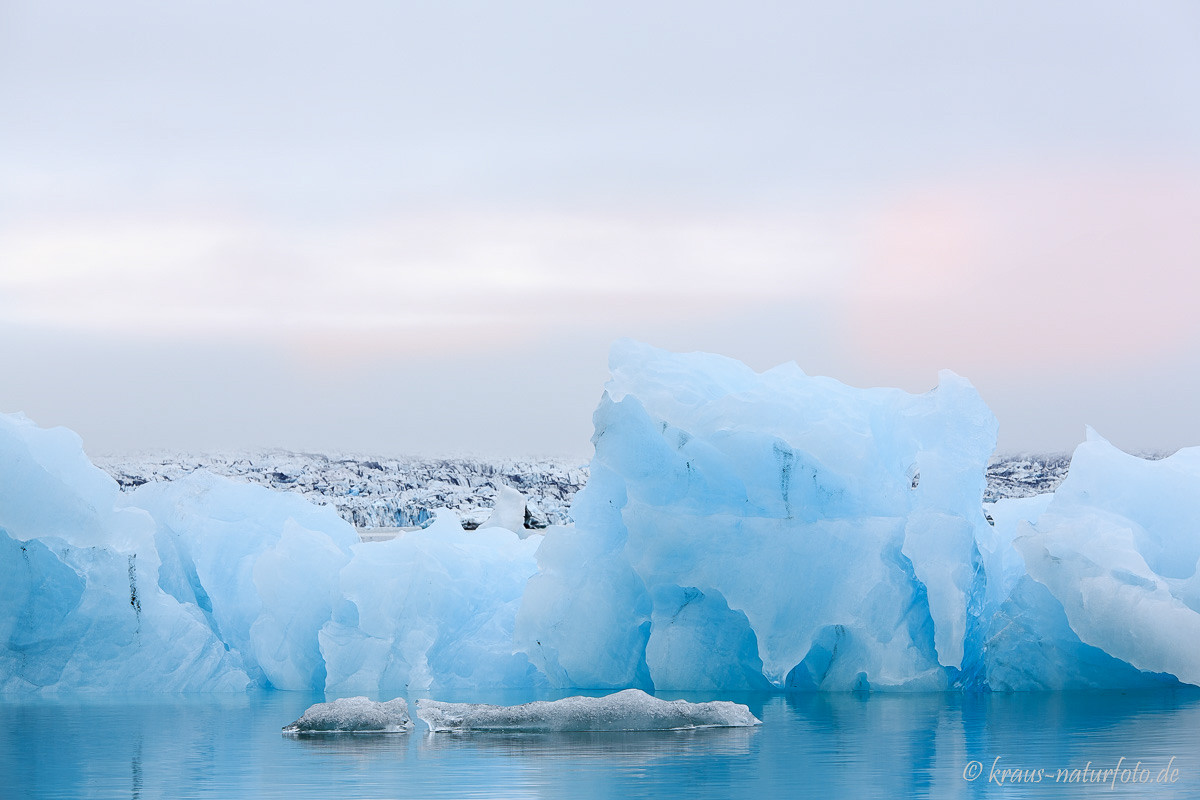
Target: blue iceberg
x,y
774,525
739,531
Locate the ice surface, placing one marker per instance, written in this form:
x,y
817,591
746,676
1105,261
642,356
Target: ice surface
x,y
629,710
374,491
509,511
791,509
207,584
1118,548
432,609
80,606
1035,631
371,491
262,565
353,715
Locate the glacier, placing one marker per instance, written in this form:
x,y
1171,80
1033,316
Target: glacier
x,y
738,531
377,491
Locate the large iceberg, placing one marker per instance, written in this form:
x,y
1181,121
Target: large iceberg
x,y
629,710
80,604
739,531
207,584
741,528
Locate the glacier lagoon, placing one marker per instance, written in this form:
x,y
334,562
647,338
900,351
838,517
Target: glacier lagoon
x,y
740,533
832,745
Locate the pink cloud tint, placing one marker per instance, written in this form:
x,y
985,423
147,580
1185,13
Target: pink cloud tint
x,y
1072,267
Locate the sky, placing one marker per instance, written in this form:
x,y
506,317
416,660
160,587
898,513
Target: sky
x,y
390,227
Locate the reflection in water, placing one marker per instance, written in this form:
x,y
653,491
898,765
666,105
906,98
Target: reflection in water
x,y
135,769
837,746
646,747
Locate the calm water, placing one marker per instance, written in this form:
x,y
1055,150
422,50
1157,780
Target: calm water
x,y
833,746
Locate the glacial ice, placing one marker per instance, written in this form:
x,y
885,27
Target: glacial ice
x,y
1118,548
628,710
430,610
80,607
353,715
207,584
378,492
796,513
509,511
738,531
263,567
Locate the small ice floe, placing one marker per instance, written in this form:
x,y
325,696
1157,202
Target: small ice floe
x,y
353,715
630,710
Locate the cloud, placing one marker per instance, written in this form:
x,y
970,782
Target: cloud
x,y
405,281
1063,267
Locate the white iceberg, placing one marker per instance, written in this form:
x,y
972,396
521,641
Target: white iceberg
x,y
630,710
353,715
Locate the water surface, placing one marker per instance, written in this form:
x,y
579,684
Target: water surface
x,y
833,746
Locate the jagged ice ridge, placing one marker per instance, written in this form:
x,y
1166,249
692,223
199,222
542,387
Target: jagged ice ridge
x,y
379,492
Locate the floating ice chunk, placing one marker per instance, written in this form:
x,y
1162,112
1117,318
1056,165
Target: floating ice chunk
x,y
630,710
353,715
509,512
738,530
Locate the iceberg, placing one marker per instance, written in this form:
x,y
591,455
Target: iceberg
x,y
353,715
1118,549
432,609
261,565
792,529
80,604
207,584
628,710
1035,631
738,531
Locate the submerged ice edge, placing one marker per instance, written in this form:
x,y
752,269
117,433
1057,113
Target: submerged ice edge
x,y
738,531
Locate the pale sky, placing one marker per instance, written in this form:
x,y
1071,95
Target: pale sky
x,y
389,227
